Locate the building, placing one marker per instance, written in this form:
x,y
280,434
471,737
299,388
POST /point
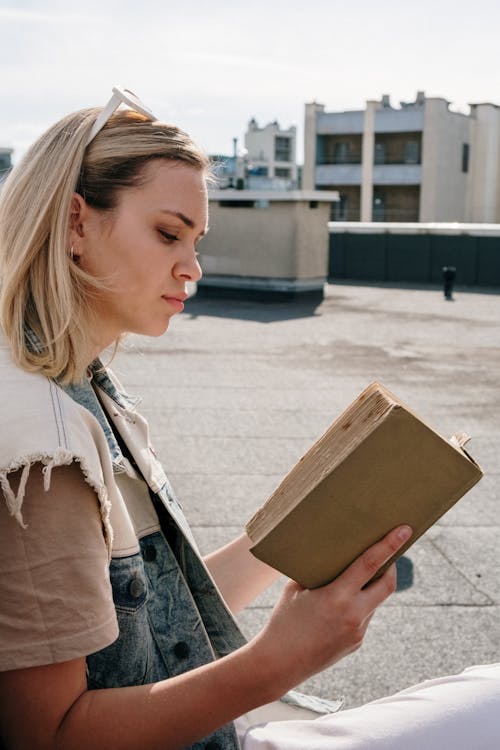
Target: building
x,y
417,162
228,171
266,245
271,156
5,162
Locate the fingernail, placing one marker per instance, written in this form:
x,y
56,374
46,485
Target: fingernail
x,y
404,533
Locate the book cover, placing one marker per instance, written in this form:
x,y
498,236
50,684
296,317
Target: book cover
x,y
377,466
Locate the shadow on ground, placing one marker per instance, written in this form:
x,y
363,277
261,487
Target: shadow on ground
x,y
404,569
264,312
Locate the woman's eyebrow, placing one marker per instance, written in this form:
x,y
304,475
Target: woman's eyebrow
x,y
185,219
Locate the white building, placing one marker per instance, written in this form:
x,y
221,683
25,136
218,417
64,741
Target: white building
x,y
271,157
418,162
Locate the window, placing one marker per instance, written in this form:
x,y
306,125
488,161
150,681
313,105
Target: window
x,y
282,148
465,157
412,152
237,204
4,162
282,172
378,206
341,153
258,171
339,209
379,153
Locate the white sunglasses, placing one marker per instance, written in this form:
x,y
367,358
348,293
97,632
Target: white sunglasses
x,y
120,96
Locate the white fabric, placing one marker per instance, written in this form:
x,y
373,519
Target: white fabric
x,y
460,712
271,712
42,424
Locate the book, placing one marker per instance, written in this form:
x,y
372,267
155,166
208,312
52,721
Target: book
x,y
379,465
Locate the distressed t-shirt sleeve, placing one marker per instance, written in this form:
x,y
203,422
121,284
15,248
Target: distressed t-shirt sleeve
x,y
56,602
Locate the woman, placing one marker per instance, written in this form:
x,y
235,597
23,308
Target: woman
x,y
113,632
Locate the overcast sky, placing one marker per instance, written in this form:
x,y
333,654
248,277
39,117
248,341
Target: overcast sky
x,y
209,66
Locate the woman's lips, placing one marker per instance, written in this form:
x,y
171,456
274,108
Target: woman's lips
x,y
175,302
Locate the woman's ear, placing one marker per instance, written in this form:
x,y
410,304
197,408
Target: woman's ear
x,y
77,229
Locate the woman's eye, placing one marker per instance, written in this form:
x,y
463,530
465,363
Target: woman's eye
x,y
168,236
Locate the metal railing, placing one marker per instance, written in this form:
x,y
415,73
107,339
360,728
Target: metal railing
x,y
354,157
401,160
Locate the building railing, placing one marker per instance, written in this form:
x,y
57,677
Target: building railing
x,y
356,159
352,158
380,216
401,160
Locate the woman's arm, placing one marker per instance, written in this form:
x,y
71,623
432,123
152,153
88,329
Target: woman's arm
x,y
49,707
238,574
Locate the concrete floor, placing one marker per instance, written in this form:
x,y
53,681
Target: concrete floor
x,y
237,391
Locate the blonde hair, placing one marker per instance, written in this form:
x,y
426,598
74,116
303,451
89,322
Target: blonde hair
x,y
42,288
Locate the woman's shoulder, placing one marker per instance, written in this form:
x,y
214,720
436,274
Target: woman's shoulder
x,y
25,396
28,398
40,418
43,424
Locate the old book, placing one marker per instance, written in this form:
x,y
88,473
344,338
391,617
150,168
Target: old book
x,y
377,466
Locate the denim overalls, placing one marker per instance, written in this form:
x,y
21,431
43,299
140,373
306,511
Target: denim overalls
x,y
171,617
170,614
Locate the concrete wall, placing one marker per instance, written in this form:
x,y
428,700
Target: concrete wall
x,y
266,243
388,120
483,196
340,122
338,174
444,185
250,241
397,174
367,159
283,239
312,113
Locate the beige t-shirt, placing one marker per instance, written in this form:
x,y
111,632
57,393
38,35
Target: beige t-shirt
x,y
56,601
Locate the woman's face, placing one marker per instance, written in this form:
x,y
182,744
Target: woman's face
x,y
146,251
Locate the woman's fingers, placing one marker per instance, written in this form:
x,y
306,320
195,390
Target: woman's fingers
x,y
369,563
311,630
378,591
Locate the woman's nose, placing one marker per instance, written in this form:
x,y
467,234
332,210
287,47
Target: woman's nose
x,y
188,268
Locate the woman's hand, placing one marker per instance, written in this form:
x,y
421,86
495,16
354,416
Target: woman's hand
x,y
310,630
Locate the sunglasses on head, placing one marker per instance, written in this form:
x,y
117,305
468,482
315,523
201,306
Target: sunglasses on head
x,y
120,96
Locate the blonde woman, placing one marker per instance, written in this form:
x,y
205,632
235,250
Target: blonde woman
x,y
114,633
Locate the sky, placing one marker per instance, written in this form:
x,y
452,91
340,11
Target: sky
x,y
209,66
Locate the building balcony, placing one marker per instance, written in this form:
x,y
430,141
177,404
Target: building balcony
x,y
397,174
349,158
396,160
338,174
